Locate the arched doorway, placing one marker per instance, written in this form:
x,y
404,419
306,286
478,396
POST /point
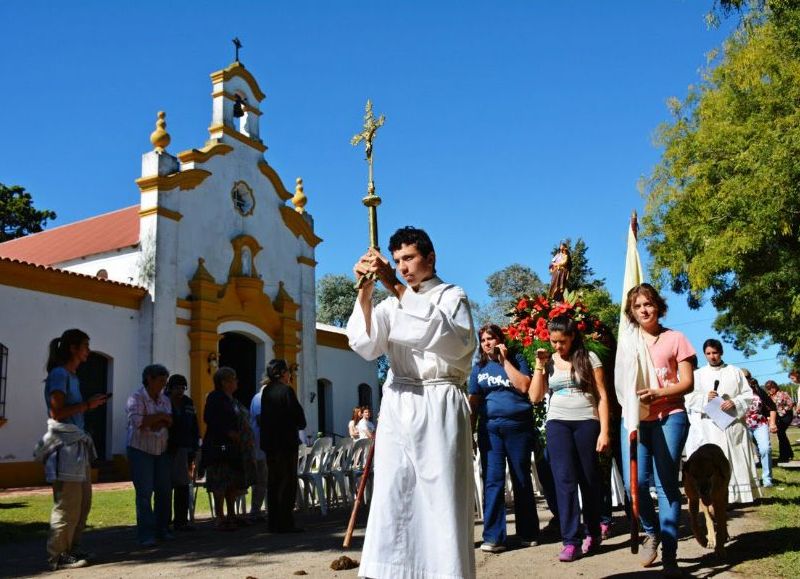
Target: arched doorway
x,y
325,406
93,375
240,353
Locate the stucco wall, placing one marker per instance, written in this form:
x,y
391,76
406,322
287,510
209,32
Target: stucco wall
x,y
30,319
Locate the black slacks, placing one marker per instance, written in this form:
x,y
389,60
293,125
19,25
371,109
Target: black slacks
x,y
281,489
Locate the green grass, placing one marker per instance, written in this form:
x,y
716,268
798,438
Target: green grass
x,y
26,517
778,553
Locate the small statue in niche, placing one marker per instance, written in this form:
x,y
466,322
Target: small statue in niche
x,y
560,266
247,262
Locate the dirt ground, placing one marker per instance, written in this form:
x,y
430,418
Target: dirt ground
x,y
252,552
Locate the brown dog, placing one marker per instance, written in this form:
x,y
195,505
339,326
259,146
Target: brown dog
x,y
705,479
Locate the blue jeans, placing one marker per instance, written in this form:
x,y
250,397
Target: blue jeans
x,y
509,441
571,445
151,476
761,435
660,447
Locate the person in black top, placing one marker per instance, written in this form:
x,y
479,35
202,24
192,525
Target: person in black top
x,y
184,436
281,418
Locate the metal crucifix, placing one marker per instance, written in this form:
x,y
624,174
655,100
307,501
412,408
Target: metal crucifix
x,y
371,201
238,44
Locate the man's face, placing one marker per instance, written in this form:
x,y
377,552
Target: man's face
x,y
412,265
713,356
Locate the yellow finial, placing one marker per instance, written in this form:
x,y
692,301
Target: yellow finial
x,y
160,137
299,200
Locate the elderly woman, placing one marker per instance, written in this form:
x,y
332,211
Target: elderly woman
x,y
183,442
785,407
222,452
149,418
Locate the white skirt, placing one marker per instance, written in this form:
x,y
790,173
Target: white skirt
x,y
421,522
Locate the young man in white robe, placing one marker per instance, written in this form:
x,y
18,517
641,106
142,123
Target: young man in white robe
x,y
421,523
734,441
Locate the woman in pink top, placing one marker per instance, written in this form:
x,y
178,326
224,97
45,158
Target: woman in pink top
x,y
662,433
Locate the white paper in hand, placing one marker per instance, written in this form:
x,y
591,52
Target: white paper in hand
x,y
720,417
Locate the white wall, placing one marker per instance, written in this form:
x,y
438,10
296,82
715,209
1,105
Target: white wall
x,y
346,370
121,265
28,321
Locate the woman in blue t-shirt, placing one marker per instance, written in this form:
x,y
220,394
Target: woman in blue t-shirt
x,y
72,498
498,395
577,429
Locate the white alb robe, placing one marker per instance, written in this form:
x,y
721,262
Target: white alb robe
x,y
734,440
421,523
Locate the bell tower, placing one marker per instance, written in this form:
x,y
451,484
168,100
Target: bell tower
x,y
236,101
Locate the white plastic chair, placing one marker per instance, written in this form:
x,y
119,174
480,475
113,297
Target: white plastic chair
x,y
336,475
360,452
313,474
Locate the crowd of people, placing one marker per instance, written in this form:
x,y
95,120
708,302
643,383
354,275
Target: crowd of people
x,y
242,448
423,439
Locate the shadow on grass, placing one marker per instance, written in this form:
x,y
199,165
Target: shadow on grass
x,y
6,506
742,548
117,546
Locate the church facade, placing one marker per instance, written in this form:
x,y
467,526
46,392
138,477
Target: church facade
x,y
215,266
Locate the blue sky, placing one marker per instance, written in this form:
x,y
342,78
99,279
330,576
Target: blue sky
x,y
510,125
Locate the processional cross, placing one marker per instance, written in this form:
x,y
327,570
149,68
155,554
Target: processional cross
x,y
371,201
238,44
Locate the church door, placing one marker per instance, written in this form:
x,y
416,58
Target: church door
x,y
93,375
239,352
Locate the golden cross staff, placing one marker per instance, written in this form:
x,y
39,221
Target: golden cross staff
x,y
371,201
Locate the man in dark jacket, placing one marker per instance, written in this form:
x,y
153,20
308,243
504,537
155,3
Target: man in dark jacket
x,y
281,419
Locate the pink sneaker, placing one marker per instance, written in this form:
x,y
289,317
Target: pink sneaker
x,y
605,531
590,544
569,554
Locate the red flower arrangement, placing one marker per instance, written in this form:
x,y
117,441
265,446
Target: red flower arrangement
x,y
527,331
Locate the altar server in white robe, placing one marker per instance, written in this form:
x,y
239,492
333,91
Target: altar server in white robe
x,y
734,441
421,523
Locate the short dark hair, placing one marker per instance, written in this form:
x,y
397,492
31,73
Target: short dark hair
x,y
714,343
176,380
409,235
153,371
276,368
651,293
771,384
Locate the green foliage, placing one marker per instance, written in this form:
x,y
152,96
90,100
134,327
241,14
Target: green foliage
x,y
18,217
505,288
336,296
723,205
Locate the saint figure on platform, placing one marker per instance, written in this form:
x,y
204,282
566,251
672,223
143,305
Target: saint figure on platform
x,y
560,266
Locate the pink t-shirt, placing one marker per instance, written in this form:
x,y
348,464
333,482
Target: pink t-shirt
x,y
667,351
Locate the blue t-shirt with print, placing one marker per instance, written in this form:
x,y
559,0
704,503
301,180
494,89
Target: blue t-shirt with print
x,y
500,398
61,380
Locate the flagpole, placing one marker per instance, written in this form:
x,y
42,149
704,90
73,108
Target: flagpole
x,y
633,441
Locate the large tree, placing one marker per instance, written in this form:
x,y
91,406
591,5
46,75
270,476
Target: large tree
x,y
18,216
723,204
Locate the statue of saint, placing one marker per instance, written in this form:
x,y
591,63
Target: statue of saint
x,y
560,266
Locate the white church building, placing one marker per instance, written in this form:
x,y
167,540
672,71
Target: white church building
x,y
214,266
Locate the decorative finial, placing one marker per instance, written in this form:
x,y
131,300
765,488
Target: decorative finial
x,y
160,137
299,200
238,44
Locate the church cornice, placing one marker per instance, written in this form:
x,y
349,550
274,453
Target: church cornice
x,y
299,226
204,154
238,69
275,179
188,179
231,132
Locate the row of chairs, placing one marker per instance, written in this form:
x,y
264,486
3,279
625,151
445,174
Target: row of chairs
x,y
329,474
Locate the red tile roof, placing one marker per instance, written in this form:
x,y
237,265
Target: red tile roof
x,y
98,234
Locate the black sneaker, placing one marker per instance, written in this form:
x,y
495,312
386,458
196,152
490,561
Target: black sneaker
x,y
68,561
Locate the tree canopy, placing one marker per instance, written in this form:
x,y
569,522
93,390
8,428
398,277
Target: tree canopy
x,y
336,295
723,204
18,217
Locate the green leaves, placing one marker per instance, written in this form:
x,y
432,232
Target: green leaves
x,y
723,205
18,217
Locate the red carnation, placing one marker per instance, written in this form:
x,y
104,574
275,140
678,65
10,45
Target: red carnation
x,y
512,332
581,326
522,305
527,341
